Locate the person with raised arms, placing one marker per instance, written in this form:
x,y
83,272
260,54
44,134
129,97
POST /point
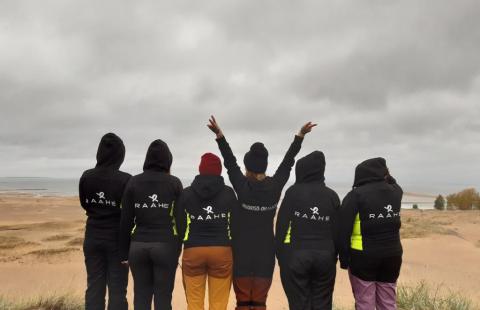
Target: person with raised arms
x,y
149,241
252,222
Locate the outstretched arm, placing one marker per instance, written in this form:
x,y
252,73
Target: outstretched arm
x,y
234,172
283,172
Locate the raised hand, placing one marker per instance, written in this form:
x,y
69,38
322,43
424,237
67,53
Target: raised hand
x,y
213,125
306,129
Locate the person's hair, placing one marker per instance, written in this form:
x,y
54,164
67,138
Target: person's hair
x,y
255,176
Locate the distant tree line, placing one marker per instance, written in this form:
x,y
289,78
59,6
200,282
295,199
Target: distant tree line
x,y
467,199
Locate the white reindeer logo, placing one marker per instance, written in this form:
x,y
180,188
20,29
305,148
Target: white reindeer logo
x,y
389,208
315,211
209,209
101,195
153,197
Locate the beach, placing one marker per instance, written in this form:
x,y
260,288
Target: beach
x,y
41,252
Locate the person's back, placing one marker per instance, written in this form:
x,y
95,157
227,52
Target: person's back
x,y
152,195
379,221
148,235
252,222
370,244
100,192
305,232
206,207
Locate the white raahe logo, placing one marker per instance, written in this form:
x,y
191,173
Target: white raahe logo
x,y
154,204
154,198
209,209
314,216
390,213
389,208
211,215
101,201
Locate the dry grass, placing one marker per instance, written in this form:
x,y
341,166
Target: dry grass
x,y
424,297
75,242
12,242
45,253
38,226
419,224
51,302
60,237
419,297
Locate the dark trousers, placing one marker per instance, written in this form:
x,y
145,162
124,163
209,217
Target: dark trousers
x,y
284,253
375,269
153,266
104,270
374,280
251,292
311,279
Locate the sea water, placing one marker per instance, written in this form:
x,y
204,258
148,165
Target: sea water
x,y
44,186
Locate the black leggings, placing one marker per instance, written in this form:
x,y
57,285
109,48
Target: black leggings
x,y
310,279
153,266
102,262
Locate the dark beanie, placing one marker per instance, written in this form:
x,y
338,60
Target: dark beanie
x,y
256,159
210,165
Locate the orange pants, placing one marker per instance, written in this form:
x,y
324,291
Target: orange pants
x,y
214,263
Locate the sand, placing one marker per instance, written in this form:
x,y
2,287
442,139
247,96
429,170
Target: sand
x,y
41,238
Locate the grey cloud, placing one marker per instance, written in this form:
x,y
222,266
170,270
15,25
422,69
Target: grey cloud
x,y
396,79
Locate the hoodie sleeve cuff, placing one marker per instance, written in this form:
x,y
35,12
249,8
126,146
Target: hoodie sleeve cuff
x,y
221,140
298,139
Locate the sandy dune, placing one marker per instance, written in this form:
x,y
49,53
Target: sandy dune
x,y
41,237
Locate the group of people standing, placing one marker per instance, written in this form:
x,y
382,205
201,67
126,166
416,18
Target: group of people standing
x,y
142,222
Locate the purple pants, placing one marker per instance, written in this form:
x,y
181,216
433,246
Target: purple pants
x,y
373,295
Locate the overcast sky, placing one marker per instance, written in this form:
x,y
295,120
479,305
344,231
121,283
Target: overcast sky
x,y
399,79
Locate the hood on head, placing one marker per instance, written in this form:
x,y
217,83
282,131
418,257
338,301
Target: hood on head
x,y
207,186
158,157
311,168
111,152
256,159
371,170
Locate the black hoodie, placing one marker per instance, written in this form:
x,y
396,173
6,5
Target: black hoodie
x,y
206,207
308,214
252,223
370,213
101,189
149,201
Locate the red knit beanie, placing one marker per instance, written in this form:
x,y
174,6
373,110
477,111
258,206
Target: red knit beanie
x,y
210,164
